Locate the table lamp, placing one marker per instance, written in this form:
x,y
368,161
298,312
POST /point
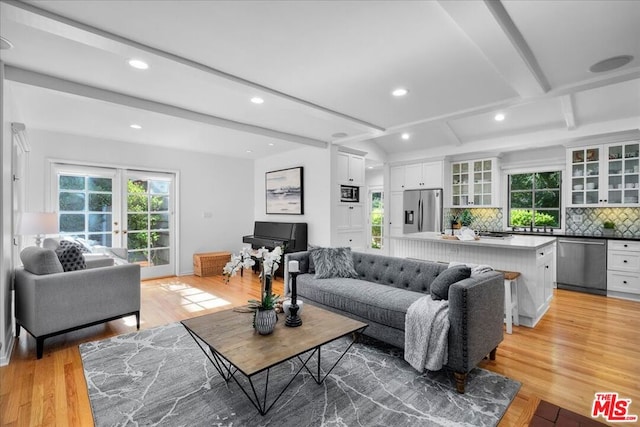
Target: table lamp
x,y
38,224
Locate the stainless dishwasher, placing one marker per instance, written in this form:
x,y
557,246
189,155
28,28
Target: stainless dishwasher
x,y
582,265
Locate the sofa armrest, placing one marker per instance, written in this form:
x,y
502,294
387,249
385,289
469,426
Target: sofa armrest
x,y
55,302
476,316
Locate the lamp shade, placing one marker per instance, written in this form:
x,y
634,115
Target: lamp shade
x,y
37,223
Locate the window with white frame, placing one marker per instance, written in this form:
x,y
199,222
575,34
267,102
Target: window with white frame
x,y
535,199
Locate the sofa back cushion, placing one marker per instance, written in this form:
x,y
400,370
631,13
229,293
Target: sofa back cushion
x,y
40,261
403,273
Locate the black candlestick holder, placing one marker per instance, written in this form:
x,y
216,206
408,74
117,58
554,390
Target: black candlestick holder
x,y
293,320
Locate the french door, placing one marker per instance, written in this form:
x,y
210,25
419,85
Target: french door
x,y
130,212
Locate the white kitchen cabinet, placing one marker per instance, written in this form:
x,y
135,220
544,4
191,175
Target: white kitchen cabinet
x,y
545,274
604,175
475,183
350,169
352,239
417,176
396,219
396,175
350,216
623,268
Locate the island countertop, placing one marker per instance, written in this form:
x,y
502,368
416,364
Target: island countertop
x,y
514,242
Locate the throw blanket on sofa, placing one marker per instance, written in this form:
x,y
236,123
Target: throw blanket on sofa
x,y
426,332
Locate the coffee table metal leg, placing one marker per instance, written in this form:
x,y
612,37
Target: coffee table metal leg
x,y
224,369
320,379
261,405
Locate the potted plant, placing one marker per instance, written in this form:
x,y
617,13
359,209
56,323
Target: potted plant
x,y
466,218
608,228
264,316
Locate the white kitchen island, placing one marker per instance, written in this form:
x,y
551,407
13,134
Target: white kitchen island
x,y
533,256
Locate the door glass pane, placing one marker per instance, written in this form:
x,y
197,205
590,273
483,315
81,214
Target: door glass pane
x,y
71,201
100,222
71,223
85,204
100,202
148,221
68,182
99,184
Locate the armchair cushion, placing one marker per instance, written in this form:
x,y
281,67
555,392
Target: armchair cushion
x,y
40,261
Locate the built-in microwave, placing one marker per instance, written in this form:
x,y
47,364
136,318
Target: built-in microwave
x,y
349,193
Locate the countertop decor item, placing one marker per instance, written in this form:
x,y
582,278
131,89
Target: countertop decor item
x,y
608,228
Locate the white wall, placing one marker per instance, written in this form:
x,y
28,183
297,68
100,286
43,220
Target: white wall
x,y
220,185
317,185
6,223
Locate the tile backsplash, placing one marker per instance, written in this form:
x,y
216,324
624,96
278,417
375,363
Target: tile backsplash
x,y
589,220
483,218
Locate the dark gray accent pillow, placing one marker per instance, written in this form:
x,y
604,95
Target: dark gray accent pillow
x,y
333,262
442,282
70,257
40,261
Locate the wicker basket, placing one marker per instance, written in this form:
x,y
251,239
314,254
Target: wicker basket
x,y
210,263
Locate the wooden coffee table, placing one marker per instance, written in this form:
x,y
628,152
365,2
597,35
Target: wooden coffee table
x,y
235,347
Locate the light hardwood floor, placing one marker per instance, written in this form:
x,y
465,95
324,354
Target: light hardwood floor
x,y
584,344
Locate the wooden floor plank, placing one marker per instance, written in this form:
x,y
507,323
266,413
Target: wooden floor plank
x,y
583,345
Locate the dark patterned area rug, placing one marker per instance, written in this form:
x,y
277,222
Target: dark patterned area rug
x,y
160,377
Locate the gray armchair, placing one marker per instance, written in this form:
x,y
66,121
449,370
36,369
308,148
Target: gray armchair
x,y
50,301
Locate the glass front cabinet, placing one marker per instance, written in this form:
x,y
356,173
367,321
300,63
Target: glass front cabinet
x,y
474,183
605,175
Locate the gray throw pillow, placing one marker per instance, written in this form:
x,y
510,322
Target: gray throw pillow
x,y
442,282
333,262
70,257
40,261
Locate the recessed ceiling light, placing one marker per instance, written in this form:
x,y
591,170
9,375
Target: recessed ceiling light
x,y
370,167
271,144
5,44
405,136
400,92
249,151
611,63
139,64
134,126
499,117
257,100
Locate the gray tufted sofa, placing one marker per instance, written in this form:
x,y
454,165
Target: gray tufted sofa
x,y
387,286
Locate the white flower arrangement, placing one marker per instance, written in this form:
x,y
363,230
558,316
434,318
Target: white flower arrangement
x,y
269,261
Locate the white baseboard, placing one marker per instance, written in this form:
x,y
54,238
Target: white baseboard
x,y
7,350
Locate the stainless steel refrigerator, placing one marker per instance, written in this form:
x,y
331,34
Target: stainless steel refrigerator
x,y
422,210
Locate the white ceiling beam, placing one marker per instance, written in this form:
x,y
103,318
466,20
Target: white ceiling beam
x,y
61,26
566,104
453,137
33,78
490,28
544,138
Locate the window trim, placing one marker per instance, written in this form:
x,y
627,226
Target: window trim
x,y
531,167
